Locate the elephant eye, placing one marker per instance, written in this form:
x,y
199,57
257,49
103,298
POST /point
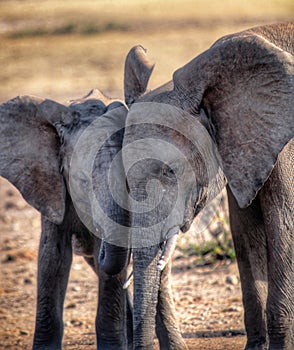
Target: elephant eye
x,y
167,172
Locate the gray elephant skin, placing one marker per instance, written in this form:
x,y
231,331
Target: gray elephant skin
x,y
226,119
38,140
32,130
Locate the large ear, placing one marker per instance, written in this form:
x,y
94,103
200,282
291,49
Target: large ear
x,y
29,152
138,69
245,83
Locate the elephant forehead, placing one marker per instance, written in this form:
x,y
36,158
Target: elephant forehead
x,y
154,112
160,114
183,133
95,145
150,148
148,120
91,129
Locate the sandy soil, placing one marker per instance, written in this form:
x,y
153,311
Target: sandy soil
x,y
208,299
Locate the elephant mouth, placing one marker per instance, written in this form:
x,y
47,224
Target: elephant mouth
x,y
167,251
186,226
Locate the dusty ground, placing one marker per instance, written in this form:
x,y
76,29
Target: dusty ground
x,y
208,299
68,64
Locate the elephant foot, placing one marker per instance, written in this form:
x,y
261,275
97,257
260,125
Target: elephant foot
x,y
45,346
46,340
256,345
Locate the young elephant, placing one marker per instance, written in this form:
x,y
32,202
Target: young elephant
x,y
227,116
36,137
38,145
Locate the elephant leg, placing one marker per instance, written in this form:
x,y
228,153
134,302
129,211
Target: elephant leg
x,y
91,262
117,339
130,311
111,318
250,244
167,329
277,199
129,323
54,262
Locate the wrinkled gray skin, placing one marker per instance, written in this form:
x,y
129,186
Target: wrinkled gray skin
x,y
36,144
240,94
30,129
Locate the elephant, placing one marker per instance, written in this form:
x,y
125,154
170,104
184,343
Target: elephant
x,y
40,155
35,134
225,120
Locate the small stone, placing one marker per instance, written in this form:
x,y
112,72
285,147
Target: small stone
x,y
28,281
76,323
9,193
233,279
76,289
232,309
9,205
71,306
9,258
23,332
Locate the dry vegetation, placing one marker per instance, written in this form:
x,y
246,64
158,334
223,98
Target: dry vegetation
x,y
62,49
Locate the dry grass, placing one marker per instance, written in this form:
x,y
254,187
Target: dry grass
x,y
62,49
133,11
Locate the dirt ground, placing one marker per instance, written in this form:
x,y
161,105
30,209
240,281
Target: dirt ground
x,y
62,49
208,299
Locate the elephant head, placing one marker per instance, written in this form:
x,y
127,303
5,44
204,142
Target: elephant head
x,y
65,161
224,117
38,141
48,149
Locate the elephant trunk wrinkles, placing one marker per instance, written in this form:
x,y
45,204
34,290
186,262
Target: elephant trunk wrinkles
x,y
113,259
146,287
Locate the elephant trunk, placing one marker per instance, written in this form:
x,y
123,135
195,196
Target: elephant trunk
x,y
146,287
113,259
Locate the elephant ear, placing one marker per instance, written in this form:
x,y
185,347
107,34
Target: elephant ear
x,y
245,83
138,69
29,152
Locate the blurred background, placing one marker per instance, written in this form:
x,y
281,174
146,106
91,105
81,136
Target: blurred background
x,y
62,49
